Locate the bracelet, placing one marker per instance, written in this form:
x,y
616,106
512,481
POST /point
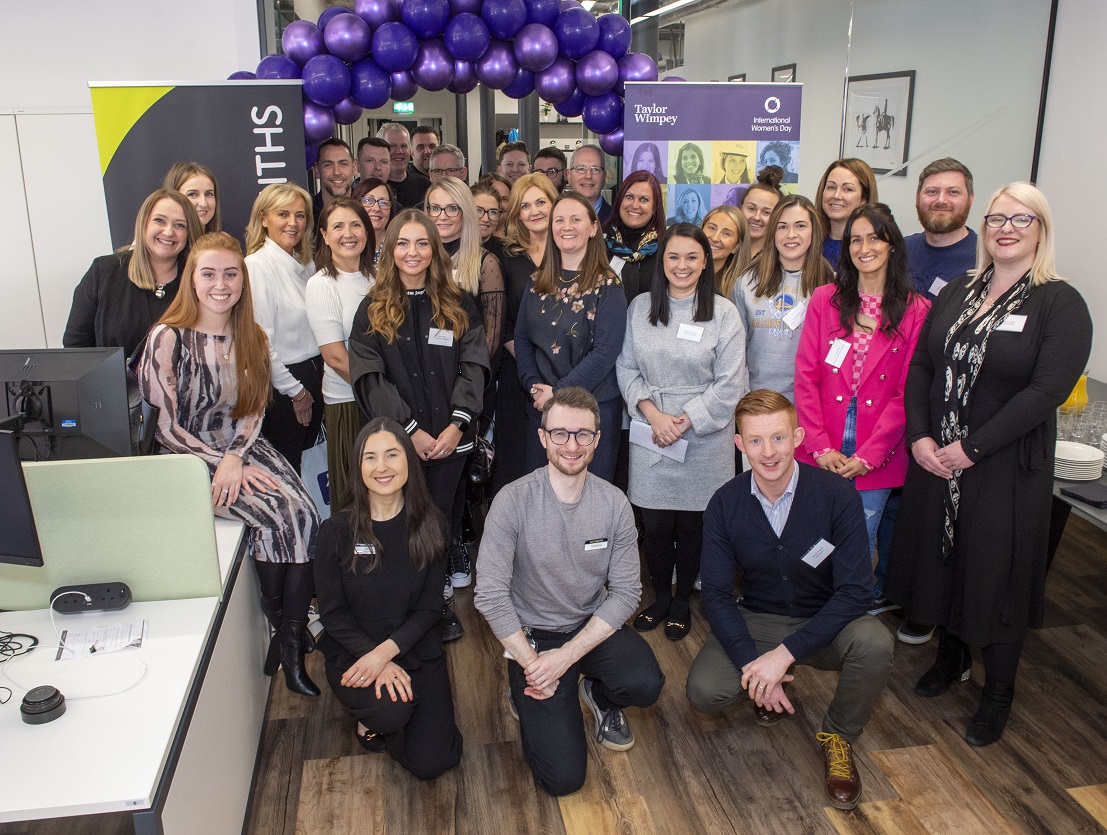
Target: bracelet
x,y
303,394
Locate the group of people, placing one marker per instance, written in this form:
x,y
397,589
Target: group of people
x,y
894,399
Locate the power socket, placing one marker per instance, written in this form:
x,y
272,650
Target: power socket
x,y
91,597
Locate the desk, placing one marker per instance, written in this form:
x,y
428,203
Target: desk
x,y
177,752
1063,505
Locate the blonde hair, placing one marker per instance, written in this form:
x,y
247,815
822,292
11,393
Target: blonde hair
x,y
517,237
739,260
140,271
182,172
468,259
273,197
1044,267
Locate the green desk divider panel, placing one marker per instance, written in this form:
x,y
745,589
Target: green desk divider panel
x,y
146,521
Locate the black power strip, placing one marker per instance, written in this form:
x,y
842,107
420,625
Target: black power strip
x,y
91,597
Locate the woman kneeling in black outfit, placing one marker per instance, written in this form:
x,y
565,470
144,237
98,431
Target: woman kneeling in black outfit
x,y
379,571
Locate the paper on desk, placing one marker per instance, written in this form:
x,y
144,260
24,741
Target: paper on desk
x,y
101,640
641,434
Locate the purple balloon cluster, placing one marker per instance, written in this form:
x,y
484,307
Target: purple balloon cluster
x,y
388,49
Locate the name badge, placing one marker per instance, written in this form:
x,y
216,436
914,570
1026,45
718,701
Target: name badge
x,y
837,353
693,333
817,553
445,338
936,286
794,317
617,265
595,544
364,549
1013,323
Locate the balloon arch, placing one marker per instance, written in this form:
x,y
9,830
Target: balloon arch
x,y
388,49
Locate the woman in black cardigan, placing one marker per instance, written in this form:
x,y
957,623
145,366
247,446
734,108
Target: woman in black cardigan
x,y
379,571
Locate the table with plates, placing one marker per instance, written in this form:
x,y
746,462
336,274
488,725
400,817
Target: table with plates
x,y
1068,463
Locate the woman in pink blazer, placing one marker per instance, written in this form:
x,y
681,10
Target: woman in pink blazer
x,y
858,337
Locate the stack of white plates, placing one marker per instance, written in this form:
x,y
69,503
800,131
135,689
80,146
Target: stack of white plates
x,y
1078,462
1103,446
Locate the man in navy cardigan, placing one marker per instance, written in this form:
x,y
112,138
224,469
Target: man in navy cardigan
x,y
798,534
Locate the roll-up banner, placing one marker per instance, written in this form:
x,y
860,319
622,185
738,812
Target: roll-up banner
x,y
249,133
705,142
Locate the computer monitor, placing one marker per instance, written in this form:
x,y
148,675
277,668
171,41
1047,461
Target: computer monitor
x,y
18,535
66,402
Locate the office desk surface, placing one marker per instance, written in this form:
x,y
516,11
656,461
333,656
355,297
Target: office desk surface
x,y
1097,516
103,754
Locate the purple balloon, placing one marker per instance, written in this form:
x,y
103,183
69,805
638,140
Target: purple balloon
x,y
603,114
497,67
615,35
543,11
328,13
302,41
504,17
465,78
467,37
597,73
572,106
426,18
672,78
318,122
326,80
577,32
404,86
347,111
311,155
395,47
557,82
535,47
612,143
635,66
277,66
522,86
370,86
241,75
570,4
347,37
434,68
377,12
465,6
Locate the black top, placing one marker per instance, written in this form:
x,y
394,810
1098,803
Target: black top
x,y
518,272
110,311
411,191
360,610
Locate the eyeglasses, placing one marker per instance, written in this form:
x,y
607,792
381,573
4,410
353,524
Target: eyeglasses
x,y
549,172
584,437
453,172
1018,221
383,202
453,210
492,214
588,169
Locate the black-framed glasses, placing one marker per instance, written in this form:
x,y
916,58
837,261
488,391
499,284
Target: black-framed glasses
x,y
453,210
452,172
584,437
1020,221
549,172
492,214
383,202
588,169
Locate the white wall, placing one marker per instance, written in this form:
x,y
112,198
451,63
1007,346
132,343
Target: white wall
x,y
49,164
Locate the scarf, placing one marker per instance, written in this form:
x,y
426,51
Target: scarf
x,y
965,347
647,245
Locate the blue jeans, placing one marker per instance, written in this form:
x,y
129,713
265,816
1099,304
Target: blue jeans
x,y
872,501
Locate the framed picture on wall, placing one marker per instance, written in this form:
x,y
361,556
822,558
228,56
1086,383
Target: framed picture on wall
x,y
740,77
877,127
786,73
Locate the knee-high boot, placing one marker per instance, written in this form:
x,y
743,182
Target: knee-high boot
x,y
273,607
292,658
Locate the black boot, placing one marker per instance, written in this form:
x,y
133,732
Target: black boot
x,y
292,659
273,607
953,663
991,717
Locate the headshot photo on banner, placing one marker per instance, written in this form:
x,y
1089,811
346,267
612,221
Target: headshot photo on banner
x,y
248,133
706,156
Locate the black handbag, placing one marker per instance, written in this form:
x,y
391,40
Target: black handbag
x,y
484,454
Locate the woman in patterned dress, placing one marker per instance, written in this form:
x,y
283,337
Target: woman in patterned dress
x,y
206,366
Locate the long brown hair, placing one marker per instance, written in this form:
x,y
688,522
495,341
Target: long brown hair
x,y
388,305
324,258
181,172
593,269
768,274
140,271
859,169
426,541
250,345
738,261
517,237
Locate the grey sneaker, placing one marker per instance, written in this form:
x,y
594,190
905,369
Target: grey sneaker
x,y
882,604
612,730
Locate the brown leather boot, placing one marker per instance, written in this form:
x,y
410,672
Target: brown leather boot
x,y
843,783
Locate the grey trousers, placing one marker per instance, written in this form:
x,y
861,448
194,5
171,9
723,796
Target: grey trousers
x,y
862,653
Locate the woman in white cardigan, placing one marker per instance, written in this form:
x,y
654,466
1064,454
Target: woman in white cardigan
x,y
278,246
682,371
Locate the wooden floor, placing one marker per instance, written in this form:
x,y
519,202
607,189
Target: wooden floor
x,y
724,774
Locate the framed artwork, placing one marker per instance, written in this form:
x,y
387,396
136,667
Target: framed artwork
x,y
785,73
877,127
740,77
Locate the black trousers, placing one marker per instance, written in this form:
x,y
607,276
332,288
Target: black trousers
x,y
444,481
280,427
673,538
626,674
421,735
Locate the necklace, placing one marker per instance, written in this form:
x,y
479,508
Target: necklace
x,y
228,346
159,291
